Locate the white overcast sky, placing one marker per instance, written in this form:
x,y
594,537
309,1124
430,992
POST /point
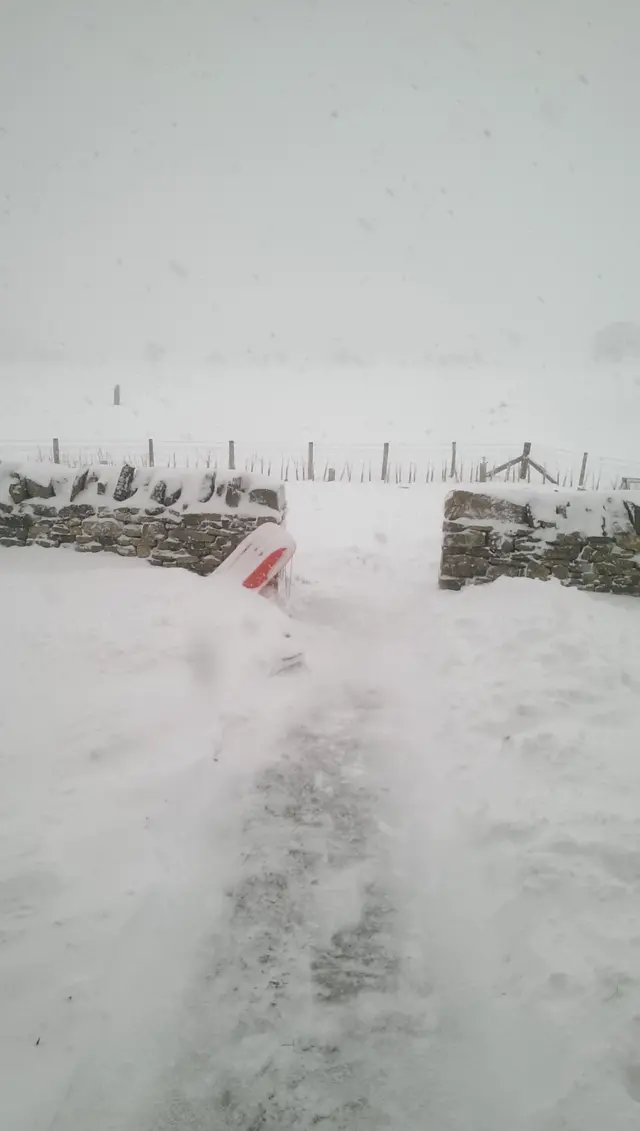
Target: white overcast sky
x,y
321,178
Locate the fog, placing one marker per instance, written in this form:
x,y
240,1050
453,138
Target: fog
x,y
212,181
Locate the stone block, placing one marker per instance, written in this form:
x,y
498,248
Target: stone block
x,y
473,506
17,490
105,529
124,487
501,543
89,547
202,537
573,538
164,495
556,553
171,497
459,565
605,569
211,521
586,554
454,583
152,530
37,490
209,563
629,541
501,569
79,484
17,523
537,571
234,493
80,510
625,587
267,497
464,539
207,487
633,511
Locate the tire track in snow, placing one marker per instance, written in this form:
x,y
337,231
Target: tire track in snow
x,y
306,1014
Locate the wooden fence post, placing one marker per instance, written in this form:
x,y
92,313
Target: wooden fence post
x,y
583,470
385,463
310,467
524,465
56,450
232,455
454,452
483,470
331,475
151,454
116,394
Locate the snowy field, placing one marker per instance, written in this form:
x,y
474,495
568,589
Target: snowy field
x,y
349,412
394,886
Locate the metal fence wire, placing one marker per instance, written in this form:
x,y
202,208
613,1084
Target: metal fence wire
x,y
402,464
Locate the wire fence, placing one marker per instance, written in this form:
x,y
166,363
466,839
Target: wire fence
x,y
403,464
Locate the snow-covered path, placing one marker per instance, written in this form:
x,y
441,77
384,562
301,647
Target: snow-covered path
x,y
309,1009
395,887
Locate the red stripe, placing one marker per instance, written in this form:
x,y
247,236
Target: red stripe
x,y
260,575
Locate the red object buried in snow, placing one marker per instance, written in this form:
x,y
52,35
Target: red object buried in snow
x,y
261,557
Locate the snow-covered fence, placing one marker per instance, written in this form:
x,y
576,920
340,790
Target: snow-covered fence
x,y
394,463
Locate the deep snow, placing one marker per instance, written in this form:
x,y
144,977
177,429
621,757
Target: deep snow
x,y
395,886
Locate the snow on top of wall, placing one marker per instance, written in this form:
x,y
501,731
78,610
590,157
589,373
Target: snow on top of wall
x,y
212,492
558,511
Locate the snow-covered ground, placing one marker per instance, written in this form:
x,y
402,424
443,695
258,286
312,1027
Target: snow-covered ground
x,y
393,886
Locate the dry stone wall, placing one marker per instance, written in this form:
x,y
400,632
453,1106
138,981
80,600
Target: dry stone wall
x,y
585,539
189,520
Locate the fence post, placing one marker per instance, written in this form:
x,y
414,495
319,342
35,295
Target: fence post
x,y
151,455
56,450
116,394
310,467
454,451
524,465
232,455
331,475
483,470
385,463
583,470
